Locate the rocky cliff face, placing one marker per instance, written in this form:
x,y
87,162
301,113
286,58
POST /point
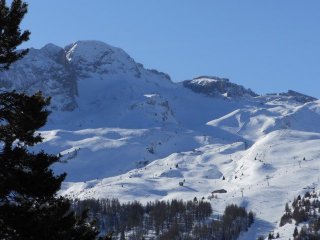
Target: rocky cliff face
x,y
44,70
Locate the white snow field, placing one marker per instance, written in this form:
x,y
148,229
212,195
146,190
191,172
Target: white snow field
x,y
131,133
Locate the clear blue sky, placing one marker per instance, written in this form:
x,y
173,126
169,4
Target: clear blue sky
x,y
269,46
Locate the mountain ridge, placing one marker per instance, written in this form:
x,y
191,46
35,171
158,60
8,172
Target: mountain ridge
x,y
57,72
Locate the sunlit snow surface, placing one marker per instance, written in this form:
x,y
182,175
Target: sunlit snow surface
x,y
270,153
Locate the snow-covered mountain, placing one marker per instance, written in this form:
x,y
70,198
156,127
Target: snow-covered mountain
x,y
132,133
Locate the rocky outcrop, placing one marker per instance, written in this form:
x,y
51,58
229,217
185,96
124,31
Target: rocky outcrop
x,y
299,97
215,86
43,70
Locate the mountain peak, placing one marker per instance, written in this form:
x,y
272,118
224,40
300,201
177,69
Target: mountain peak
x,y
89,50
77,71
216,86
50,47
300,97
90,56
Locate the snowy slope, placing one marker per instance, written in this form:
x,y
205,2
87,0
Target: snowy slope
x,y
128,132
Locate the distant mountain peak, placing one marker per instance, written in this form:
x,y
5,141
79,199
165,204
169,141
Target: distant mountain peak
x,y
216,86
300,97
51,48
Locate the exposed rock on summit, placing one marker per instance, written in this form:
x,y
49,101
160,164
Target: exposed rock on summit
x,y
215,86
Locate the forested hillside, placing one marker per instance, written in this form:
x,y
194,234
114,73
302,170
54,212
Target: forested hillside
x,y
164,220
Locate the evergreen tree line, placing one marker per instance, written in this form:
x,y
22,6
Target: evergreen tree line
x,y
305,211
163,220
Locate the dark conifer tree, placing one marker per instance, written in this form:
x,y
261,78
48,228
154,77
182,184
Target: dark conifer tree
x,y
295,232
29,206
10,33
251,217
